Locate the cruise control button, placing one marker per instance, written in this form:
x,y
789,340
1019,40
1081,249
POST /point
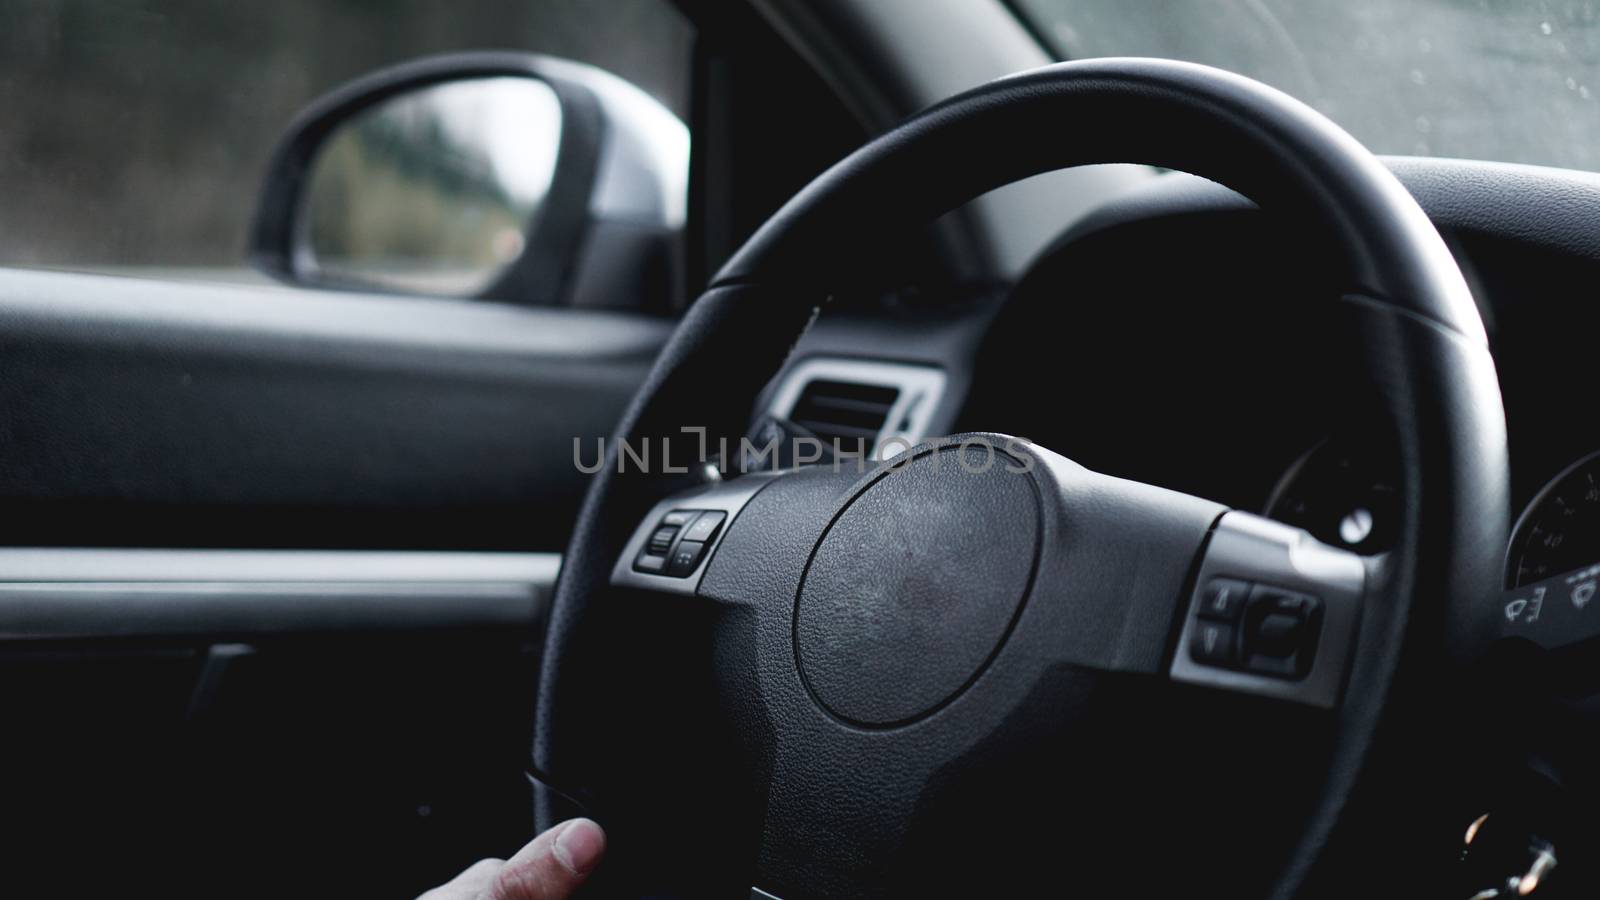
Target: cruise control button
x,y
1280,630
1212,643
1223,599
1266,598
705,527
661,541
679,517
685,558
1277,634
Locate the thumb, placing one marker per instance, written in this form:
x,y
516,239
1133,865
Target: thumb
x,y
553,865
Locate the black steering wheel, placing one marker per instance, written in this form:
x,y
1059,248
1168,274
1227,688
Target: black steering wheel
x,y
982,667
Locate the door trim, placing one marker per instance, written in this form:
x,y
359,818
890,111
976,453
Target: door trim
x,y
53,593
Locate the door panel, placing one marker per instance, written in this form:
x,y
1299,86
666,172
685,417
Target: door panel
x,y
347,717
150,414
264,723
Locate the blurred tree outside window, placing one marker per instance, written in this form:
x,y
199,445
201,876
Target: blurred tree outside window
x,y
137,131
433,190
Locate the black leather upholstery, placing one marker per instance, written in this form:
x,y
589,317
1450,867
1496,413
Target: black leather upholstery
x,y
1534,205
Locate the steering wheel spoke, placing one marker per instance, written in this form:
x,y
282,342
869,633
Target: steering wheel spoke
x,y
1273,612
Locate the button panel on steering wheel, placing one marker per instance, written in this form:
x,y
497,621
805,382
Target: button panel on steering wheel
x,y
670,547
679,542
1274,612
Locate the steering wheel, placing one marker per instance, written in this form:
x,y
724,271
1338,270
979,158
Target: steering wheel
x,y
979,666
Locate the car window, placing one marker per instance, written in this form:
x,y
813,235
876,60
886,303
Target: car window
x,y
137,133
1480,79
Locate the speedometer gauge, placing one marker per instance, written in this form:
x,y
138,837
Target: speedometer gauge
x,y
1560,530
1343,495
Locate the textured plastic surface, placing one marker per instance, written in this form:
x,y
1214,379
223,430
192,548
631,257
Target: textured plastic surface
x,y
915,585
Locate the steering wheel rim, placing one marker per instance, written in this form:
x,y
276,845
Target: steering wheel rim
x,y
1406,303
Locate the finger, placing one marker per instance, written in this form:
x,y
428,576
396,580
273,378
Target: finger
x,y
470,884
553,864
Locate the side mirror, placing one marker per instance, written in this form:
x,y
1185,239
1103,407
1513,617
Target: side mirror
x,y
508,176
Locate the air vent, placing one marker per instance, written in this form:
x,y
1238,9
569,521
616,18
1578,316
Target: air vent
x,y
882,406
853,415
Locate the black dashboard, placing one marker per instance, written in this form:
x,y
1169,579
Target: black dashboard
x,y
1181,336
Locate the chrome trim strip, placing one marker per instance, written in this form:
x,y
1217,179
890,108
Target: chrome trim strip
x,y
57,594
57,564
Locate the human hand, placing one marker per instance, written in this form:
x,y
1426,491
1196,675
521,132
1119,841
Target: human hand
x,y
551,867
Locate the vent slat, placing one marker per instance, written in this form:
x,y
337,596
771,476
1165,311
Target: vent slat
x,y
813,412
846,404
853,414
875,392
831,429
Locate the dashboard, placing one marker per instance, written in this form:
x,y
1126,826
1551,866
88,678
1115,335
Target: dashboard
x,y
1181,336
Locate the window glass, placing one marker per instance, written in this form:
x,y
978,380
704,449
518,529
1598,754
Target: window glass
x,y
136,132
1482,79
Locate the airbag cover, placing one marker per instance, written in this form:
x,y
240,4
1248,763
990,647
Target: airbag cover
x,y
916,584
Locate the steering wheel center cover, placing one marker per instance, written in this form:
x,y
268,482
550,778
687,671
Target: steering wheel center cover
x,y
916,584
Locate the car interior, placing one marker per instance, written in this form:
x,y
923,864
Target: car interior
x,y
938,448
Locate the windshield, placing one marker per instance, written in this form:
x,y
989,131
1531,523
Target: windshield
x,y
1508,80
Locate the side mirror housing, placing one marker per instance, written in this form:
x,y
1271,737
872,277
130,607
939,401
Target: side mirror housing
x,y
506,176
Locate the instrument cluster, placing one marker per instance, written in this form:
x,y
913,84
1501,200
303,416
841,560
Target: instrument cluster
x,y
1346,496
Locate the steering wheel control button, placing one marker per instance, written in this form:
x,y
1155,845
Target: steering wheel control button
x,y
1280,632
1224,599
653,565
685,558
1277,634
1259,628
1213,643
661,540
1272,599
663,557
705,528
679,541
